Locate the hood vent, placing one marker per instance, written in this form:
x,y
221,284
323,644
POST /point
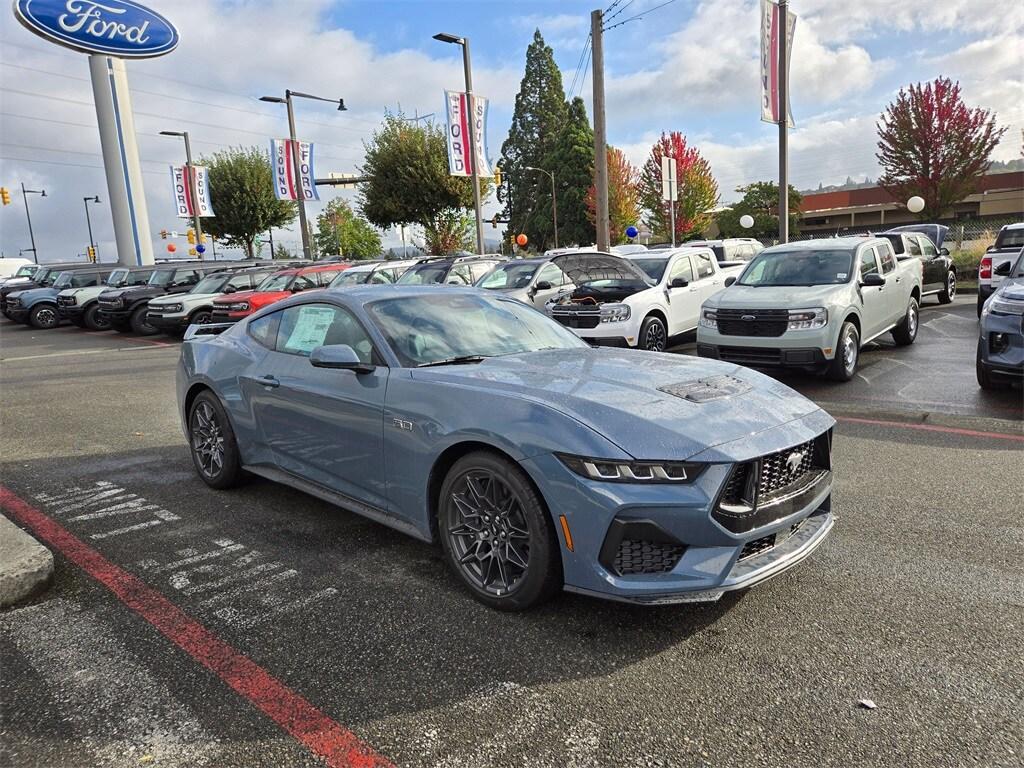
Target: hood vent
x,y
710,388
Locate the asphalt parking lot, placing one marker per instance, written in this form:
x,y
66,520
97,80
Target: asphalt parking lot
x,y
262,627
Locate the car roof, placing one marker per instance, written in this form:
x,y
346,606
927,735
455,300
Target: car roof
x,y
333,266
851,242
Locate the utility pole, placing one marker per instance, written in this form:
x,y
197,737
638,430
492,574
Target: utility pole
x,y
271,233
24,196
783,125
600,136
193,192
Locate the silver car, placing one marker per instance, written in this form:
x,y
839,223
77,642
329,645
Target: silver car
x,y
531,281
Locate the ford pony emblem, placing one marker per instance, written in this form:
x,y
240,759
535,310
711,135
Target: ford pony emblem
x,y
120,28
794,460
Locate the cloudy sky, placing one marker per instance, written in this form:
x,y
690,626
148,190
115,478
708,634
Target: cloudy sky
x,y
689,66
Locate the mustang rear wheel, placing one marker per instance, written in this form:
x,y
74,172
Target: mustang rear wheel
x,y
496,533
212,442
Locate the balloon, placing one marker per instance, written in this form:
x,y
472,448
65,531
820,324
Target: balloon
x,y
915,204
522,240
632,231
171,247
200,248
746,221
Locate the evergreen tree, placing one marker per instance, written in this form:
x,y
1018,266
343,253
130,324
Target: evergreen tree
x,y
540,113
572,161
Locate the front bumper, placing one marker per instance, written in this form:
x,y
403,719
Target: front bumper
x,y
224,316
808,359
18,314
115,315
70,312
1002,344
178,322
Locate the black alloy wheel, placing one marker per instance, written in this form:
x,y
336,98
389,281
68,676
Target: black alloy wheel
x,y
94,320
201,317
212,442
140,324
496,533
948,293
653,335
44,317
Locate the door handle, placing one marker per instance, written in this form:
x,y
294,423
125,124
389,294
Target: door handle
x,y
269,381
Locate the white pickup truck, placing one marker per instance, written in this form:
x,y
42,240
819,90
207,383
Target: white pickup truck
x,y
641,300
813,305
998,258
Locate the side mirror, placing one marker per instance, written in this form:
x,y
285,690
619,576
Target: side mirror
x,y
943,251
1003,270
729,281
340,357
874,280
543,285
679,282
229,289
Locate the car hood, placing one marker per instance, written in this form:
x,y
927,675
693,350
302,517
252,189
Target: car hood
x,y
134,292
32,294
773,297
177,298
1012,289
584,267
653,406
231,298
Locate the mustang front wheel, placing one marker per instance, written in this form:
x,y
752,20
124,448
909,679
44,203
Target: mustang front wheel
x,y
212,442
496,533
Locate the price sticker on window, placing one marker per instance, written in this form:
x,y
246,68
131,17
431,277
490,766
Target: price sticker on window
x,y
310,329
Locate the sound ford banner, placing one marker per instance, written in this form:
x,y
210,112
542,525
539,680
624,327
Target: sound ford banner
x,y
459,120
770,109
183,192
282,163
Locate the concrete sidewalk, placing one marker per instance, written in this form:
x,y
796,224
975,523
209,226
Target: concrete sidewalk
x,y
26,566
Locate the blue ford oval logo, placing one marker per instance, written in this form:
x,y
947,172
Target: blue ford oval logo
x,y
119,28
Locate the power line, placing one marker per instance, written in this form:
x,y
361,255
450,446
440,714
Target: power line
x,y
579,65
639,15
609,18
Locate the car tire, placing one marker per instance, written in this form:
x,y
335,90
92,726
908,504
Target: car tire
x,y
985,379
947,294
212,442
844,364
94,321
905,333
43,317
486,504
653,334
202,316
139,324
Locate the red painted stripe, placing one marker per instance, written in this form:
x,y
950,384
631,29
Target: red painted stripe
x,y
933,428
465,135
324,737
290,156
188,190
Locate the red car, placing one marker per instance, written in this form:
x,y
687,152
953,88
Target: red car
x,y
280,285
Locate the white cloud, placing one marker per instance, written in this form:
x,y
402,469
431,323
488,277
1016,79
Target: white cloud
x,y
848,20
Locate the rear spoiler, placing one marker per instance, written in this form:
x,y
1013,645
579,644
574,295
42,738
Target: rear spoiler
x,y
205,331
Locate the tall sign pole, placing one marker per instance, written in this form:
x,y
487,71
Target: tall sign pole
x,y
600,134
307,252
196,221
783,124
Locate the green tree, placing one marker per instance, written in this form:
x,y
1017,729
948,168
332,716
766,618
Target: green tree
x,y
931,144
623,196
572,161
242,194
452,231
539,116
341,232
761,201
409,179
281,252
697,190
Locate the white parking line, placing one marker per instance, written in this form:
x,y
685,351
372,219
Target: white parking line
x,y
85,352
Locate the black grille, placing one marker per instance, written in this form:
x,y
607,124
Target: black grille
x,y
777,472
757,546
762,323
646,557
734,489
750,355
577,319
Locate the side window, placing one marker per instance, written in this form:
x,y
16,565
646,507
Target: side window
x,y
303,283
185,277
868,263
459,275
308,326
703,263
138,278
550,273
81,280
264,329
913,246
681,269
928,248
886,258
241,282
479,269
382,277
325,277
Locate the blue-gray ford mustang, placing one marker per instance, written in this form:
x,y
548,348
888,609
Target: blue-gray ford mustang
x,y
537,462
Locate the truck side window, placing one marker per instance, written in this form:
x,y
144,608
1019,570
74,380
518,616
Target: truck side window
x,y
913,246
241,282
186,277
886,258
928,249
138,278
702,261
681,269
868,263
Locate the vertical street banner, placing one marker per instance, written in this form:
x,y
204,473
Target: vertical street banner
x,y
282,164
770,17
183,192
459,120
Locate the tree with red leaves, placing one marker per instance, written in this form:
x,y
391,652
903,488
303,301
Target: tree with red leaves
x,y
931,144
623,196
697,191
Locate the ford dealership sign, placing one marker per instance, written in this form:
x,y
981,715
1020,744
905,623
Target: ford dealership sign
x,y
119,28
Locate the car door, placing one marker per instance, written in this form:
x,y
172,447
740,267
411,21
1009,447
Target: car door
x,y
707,282
897,290
934,274
683,306
552,275
875,300
321,424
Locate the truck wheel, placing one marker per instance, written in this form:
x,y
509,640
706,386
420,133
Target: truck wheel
x,y
94,321
844,364
201,317
905,333
139,324
653,336
947,294
43,316
985,379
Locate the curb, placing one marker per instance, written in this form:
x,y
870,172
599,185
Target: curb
x,y
26,566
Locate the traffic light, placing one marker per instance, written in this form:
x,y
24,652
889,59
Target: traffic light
x,y
497,175
163,234
5,195
191,237
192,252
91,250
202,237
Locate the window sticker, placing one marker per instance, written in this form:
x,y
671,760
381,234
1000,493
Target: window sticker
x,y
841,276
310,329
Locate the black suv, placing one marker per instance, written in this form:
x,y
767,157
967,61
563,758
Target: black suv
x,y
44,277
450,270
125,309
924,241
82,308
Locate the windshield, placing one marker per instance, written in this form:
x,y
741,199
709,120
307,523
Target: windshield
x,y
428,274
1018,270
351,277
63,280
161,277
1010,238
276,283
799,268
509,275
654,268
116,277
26,271
211,283
427,329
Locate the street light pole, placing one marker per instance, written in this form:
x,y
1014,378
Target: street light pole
x,y
471,106
24,196
554,200
88,222
192,191
783,126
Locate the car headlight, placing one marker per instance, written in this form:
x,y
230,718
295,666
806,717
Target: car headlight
x,y
169,307
708,318
70,300
614,471
997,304
807,319
239,306
614,313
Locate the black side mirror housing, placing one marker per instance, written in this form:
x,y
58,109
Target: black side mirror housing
x,y
543,285
1003,269
944,251
679,282
339,357
229,289
874,280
